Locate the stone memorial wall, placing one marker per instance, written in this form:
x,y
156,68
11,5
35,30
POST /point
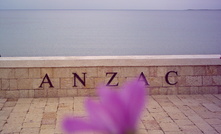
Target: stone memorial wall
x,y
80,76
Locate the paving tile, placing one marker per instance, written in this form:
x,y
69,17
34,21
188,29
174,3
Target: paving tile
x,y
151,125
9,128
25,100
213,121
10,104
164,114
190,130
218,96
218,128
155,132
168,127
31,124
183,122
212,107
142,131
47,131
32,130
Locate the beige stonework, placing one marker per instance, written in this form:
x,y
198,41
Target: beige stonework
x,y
45,71
5,84
198,74
25,84
0,84
155,81
194,81
13,84
216,80
21,73
211,70
7,73
61,72
34,73
186,70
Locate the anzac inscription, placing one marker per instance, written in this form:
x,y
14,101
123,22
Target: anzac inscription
x,y
76,77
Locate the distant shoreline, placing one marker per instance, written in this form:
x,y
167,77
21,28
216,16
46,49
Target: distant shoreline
x,y
116,9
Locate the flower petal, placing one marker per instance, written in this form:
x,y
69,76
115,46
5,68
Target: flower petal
x,y
101,117
133,95
73,124
112,101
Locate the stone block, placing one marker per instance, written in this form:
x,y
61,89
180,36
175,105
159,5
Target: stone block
x,y
121,80
52,92
129,72
5,84
144,70
85,92
24,93
194,81
55,82
186,71
211,70
155,81
7,73
61,72
209,90
103,70
31,93
25,84
161,71
68,83
181,81
37,82
13,84
92,72
174,68
45,71
217,80
40,93
207,80
2,94
78,70
12,94
163,91
72,92
21,73
62,93
194,90
199,70
218,70
183,90
153,91
172,91
152,71
99,82
34,73
89,83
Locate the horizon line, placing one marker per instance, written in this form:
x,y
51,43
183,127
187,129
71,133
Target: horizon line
x,y
125,9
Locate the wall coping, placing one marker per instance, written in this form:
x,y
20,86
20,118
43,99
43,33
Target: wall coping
x,y
92,61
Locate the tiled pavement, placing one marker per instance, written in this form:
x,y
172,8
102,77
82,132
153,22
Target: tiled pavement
x,y
164,114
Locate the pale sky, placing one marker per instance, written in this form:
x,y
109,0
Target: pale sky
x,y
110,4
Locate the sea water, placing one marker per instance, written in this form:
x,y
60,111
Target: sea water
x,y
108,32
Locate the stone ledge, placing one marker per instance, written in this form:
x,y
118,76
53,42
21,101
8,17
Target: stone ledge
x,y
92,61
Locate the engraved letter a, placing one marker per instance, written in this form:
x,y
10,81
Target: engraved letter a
x,y
48,81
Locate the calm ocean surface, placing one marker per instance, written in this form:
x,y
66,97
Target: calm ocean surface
x,y
108,32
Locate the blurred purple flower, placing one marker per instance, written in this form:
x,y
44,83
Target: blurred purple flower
x,y
117,112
